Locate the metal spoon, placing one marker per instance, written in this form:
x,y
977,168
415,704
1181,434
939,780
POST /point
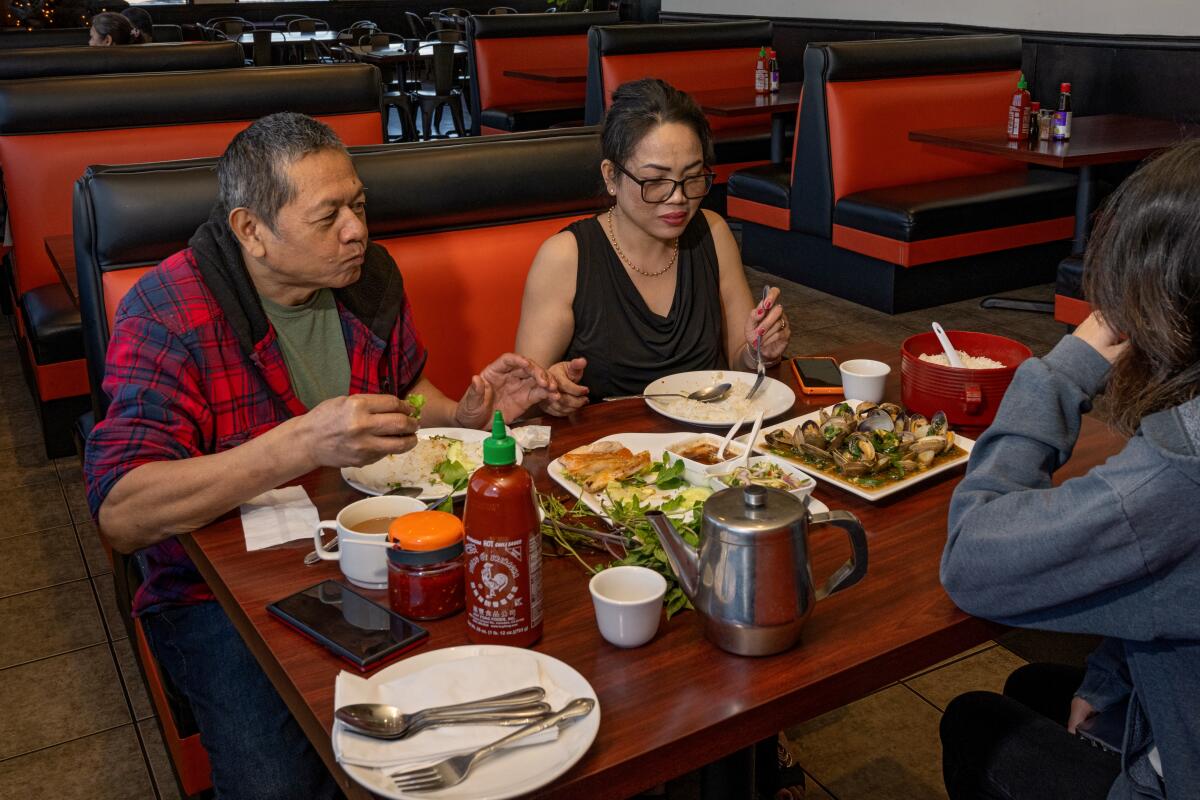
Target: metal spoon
x,y
379,719
709,394
403,491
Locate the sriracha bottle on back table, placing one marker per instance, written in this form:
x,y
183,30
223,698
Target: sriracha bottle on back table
x,y
503,547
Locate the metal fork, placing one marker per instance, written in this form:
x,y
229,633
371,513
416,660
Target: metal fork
x,y
453,770
762,371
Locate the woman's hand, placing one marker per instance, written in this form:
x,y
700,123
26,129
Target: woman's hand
x,y
565,377
768,320
510,384
1103,339
1081,710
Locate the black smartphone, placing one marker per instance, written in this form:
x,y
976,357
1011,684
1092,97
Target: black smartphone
x,y
817,374
351,626
1106,730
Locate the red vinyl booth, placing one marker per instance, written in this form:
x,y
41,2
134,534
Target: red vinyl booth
x,y
498,42
52,128
867,214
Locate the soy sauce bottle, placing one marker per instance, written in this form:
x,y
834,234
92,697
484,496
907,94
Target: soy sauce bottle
x,y
503,547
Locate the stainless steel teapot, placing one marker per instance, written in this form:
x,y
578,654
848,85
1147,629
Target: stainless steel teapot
x,y
751,580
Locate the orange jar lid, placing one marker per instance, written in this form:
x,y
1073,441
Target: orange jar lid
x,y
426,530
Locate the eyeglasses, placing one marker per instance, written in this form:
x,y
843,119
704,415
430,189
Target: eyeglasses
x,y
660,190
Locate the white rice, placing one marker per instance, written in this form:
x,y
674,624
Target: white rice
x,y
968,361
733,406
416,467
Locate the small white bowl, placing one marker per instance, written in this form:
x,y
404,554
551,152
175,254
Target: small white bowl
x,y
696,471
864,379
807,483
628,603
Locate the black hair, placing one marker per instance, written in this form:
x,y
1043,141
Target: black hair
x,y
253,171
639,107
143,25
110,23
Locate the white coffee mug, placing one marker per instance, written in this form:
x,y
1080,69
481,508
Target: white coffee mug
x,y
864,379
363,559
628,602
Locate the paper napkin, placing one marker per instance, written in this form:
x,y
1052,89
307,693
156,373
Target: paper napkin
x,y
531,437
441,684
278,516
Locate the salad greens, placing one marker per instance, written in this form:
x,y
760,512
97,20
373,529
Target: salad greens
x,y
417,401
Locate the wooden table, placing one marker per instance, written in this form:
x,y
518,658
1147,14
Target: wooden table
x,y
678,702
549,74
1101,139
61,250
745,101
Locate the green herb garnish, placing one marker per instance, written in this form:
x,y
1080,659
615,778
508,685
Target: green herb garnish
x,y
417,401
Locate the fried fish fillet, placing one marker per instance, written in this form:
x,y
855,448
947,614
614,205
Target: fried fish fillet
x,y
596,465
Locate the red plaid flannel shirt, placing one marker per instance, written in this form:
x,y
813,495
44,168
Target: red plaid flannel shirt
x,y
182,387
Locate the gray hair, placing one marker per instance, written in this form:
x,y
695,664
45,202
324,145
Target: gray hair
x,y
252,173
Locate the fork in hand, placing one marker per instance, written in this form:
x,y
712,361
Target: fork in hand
x,y
454,770
762,372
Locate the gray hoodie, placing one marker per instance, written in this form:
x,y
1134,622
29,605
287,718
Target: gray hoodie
x,y
1115,552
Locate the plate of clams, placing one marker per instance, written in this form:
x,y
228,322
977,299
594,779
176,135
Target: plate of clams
x,y
871,450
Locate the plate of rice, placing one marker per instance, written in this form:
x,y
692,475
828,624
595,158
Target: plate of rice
x,y
436,448
772,398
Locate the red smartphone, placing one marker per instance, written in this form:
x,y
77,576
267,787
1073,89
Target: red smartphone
x,y
817,374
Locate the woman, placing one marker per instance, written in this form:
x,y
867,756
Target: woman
x,y
652,286
1115,552
109,28
141,24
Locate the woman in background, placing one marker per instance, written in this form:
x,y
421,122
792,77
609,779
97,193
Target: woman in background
x,y
142,24
109,28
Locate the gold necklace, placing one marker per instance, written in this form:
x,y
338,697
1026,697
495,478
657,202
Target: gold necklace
x,y
612,237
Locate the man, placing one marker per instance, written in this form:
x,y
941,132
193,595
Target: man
x,y
278,342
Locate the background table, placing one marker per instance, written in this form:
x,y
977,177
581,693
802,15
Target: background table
x,y
745,101
678,702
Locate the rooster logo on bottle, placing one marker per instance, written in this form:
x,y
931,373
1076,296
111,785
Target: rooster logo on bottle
x,y
495,582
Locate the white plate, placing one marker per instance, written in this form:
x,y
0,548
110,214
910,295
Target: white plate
x,y
654,443
772,398
862,491
377,478
512,773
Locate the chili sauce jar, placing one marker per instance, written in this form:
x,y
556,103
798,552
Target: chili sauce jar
x,y
425,565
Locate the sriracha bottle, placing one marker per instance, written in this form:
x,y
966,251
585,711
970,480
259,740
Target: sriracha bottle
x,y
503,547
1018,113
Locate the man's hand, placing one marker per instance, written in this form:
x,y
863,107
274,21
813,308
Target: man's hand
x,y
510,384
768,321
356,430
1103,339
565,376
1081,711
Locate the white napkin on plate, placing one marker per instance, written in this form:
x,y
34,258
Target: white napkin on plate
x,y
438,685
531,437
278,516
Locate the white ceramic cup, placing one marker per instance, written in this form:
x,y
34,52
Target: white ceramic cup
x,y
363,560
628,602
864,379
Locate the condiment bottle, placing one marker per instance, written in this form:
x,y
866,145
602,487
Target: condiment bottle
x,y
1018,112
425,565
503,547
773,72
1062,117
1034,110
761,79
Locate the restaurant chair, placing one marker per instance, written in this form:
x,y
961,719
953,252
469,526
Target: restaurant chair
x,y
456,12
307,25
282,20
868,215
502,10
442,22
231,29
501,103
692,57
263,54
167,33
416,25
52,128
446,35
440,90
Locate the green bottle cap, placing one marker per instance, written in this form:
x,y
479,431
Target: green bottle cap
x,y
1022,84
499,449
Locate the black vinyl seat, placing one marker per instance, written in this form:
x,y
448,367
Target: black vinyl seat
x,y
770,184
52,324
545,114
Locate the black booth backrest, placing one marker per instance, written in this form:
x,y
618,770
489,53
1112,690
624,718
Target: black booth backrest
x,y
135,215
512,26
131,100
903,58
44,37
628,39
48,62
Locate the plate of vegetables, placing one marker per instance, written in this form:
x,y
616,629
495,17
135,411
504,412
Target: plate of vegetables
x,y
439,465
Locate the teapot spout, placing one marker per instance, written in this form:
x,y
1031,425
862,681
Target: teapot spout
x,y
684,559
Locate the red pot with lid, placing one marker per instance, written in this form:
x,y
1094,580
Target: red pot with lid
x,y
969,397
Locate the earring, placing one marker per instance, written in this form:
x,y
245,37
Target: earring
x,y
612,190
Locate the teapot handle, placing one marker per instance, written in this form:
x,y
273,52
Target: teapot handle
x,y
855,567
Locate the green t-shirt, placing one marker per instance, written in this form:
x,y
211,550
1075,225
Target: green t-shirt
x,y
314,349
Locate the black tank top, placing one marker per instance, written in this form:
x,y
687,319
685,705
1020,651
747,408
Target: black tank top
x,y
626,344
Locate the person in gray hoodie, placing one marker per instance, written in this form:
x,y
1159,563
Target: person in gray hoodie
x,y
1115,552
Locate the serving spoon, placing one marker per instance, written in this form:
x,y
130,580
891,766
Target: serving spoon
x,y
709,394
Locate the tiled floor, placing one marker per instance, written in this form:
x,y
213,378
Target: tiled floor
x,y
75,720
